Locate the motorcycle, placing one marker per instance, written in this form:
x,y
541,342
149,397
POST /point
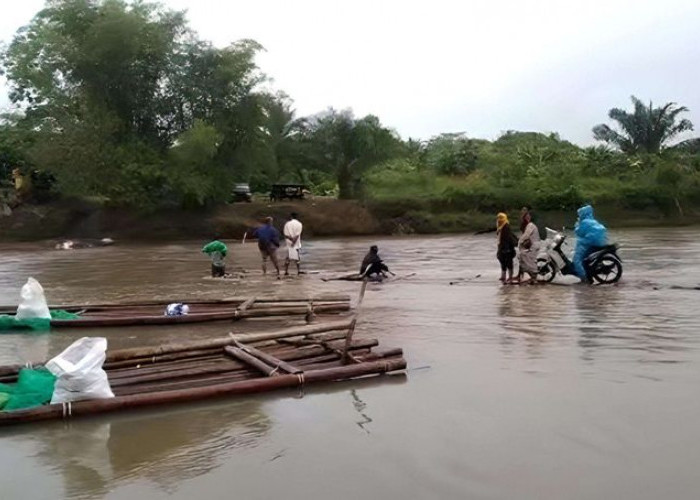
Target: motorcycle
x,y
602,265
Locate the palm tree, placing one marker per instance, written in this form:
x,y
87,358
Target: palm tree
x,y
646,130
348,146
280,131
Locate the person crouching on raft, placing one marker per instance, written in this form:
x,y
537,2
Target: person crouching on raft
x,y
217,251
507,242
372,265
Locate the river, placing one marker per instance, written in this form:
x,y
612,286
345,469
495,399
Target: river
x,y
531,392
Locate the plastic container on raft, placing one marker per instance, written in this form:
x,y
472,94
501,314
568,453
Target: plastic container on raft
x,y
79,371
32,303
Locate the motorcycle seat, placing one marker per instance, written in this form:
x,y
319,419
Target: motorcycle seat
x,y
612,248
598,251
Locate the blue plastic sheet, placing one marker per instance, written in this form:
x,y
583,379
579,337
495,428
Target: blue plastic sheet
x,y
589,234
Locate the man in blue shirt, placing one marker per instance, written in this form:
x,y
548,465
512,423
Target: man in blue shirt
x,y
268,243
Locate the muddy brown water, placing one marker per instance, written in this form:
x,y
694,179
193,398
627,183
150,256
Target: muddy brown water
x,y
561,391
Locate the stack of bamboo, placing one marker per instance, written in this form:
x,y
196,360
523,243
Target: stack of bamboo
x,y
236,364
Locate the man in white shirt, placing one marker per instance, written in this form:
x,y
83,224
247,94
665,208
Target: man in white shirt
x,y
292,235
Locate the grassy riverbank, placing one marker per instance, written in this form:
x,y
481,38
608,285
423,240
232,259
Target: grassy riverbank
x,y
321,217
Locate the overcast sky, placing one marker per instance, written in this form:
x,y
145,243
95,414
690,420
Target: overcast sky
x,y
481,67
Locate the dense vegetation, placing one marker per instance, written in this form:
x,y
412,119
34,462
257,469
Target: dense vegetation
x,y
121,101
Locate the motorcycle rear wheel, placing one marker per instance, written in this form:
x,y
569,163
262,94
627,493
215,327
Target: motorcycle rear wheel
x,y
607,270
546,272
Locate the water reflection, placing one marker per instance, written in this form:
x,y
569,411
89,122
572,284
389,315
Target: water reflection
x,y
529,315
95,455
610,325
593,309
360,407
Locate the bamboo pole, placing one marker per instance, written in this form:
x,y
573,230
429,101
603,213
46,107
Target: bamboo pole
x,y
202,380
185,359
328,297
250,360
267,358
191,372
227,366
163,358
80,408
311,339
248,338
159,319
146,352
324,361
351,330
175,366
292,311
247,304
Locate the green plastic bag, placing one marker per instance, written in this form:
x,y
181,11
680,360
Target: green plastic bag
x,y
34,387
63,314
215,246
9,323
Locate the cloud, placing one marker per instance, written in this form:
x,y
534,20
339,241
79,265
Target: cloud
x,y
481,66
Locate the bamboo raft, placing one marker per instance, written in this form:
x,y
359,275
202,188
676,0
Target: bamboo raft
x,y
231,309
343,277
223,367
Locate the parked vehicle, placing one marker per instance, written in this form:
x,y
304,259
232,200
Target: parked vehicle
x,y
241,192
289,191
602,265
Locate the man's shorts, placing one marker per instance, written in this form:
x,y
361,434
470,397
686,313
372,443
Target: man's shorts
x,y
268,251
293,253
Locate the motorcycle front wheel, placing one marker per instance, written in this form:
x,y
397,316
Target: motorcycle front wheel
x,y
607,270
546,271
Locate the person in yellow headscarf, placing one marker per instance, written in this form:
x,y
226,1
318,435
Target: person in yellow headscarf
x,y
23,184
507,243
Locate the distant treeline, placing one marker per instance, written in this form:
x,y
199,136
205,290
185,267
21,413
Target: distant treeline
x,y
123,102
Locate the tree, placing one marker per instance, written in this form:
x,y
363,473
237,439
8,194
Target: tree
x,y
107,86
14,144
217,86
690,146
451,154
195,177
96,54
646,129
348,146
282,136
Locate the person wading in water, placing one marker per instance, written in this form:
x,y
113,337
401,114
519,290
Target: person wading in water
x,y
507,243
528,245
292,235
268,243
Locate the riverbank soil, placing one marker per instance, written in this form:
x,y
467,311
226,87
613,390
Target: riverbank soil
x,y
321,216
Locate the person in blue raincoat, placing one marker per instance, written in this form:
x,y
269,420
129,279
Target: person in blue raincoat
x,y
589,234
